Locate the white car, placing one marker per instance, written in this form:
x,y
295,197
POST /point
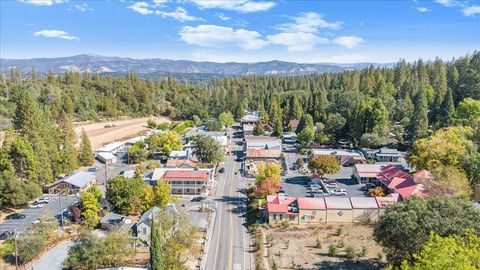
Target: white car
x,y
36,205
331,185
339,192
42,201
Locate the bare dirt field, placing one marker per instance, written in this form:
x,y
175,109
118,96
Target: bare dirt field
x,y
298,245
120,129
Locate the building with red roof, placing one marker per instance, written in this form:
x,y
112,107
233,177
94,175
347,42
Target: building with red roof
x,y
181,163
325,210
395,180
187,182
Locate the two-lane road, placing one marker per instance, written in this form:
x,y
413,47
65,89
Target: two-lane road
x,y
230,245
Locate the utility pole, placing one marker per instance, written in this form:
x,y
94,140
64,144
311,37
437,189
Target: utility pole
x,y
106,177
16,251
61,210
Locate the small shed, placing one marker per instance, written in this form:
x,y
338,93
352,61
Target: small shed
x,y
106,157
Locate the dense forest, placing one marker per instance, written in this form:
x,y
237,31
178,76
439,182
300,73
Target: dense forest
x,y
369,107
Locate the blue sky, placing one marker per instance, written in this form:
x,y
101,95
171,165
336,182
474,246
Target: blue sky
x,y
241,30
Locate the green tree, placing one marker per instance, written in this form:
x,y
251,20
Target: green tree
x,y
259,130
306,121
447,110
226,119
126,194
85,155
270,170
323,165
306,136
377,118
137,153
169,141
90,209
470,163
207,149
467,110
157,260
450,252
335,124
163,195
414,219
418,126
68,141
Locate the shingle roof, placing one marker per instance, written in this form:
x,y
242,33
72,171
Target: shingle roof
x,y
338,203
185,175
311,203
181,162
363,202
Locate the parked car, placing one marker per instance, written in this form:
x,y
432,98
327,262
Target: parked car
x,y
42,201
7,235
331,185
16,216
222,170
198,199
92,169
36,205
368,186
339,192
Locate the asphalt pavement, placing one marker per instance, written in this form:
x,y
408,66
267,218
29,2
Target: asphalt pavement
x,y
230,245
32,214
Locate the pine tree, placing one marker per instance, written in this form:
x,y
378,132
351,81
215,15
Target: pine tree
x,y
156,250
418,126
85,156
447,110
68,139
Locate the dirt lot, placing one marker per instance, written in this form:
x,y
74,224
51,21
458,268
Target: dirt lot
x,y
124,129
298,245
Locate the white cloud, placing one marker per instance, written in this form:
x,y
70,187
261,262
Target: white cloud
x,y
471,11
447,3
309,22
141,7
179,14
215,36
422,9
244,6
42,2
223,17
159,2
297,42
83,7
348,41
55,34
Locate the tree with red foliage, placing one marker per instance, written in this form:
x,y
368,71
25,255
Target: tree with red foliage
x,y
267,187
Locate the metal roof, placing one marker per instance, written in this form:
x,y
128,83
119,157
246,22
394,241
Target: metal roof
x,y
311,203
79,179
363,202
338,203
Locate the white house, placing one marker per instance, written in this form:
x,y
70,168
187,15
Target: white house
x,y
143,227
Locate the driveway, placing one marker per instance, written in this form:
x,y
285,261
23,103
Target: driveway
x,y
53,259
48,211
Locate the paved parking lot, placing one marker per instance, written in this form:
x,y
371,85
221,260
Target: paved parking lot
x,y
48,211
296,184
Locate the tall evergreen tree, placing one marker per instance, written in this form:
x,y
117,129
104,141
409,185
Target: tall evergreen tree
x,y
446,111
85,156
68,140
418,126
157,258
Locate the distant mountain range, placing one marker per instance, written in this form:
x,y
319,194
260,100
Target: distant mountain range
x,y
160,67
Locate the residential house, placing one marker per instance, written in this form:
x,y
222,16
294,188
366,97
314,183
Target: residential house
x,y
143,227
293,124
282,208
385,154
343,157
367,173
75,183
181,163
112,221
179,154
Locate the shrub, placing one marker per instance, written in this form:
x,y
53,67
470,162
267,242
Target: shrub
x,y
284,224
339,232
332,250
350,252
318,244
340,244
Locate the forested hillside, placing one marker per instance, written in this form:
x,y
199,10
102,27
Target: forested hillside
x,y
370,107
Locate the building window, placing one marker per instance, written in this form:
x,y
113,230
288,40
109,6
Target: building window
x,y
274,216
144,230
281,217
